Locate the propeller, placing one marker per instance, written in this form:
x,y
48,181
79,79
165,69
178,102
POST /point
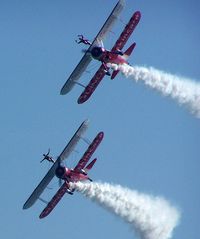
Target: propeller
x,y
85,50
60,182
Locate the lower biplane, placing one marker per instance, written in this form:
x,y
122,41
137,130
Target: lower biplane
x,y
97,51
64,174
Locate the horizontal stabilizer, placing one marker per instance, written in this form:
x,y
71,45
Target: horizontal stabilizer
x,y
128,52
90,88
90,165
114,74
54,201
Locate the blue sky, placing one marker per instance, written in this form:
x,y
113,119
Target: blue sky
x,y
151,144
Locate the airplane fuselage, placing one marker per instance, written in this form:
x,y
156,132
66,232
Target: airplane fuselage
x,y
105,56
70,175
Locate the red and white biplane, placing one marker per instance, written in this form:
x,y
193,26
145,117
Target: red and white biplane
x,y
97,51
79,173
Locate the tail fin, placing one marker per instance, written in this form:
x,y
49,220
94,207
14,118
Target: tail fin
x,y
128,52
90,165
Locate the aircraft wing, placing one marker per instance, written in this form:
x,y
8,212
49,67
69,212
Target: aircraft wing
x,y
90,88
74,140
54,201
76,74
128,30
88,153
42,185
109,23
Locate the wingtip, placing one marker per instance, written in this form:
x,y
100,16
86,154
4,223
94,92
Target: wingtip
x,y
81,100
41,216
62,92
139,14
101,134
25,206
86,122
122,2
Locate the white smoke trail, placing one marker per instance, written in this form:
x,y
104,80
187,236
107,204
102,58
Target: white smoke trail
x,y
185,91
151,217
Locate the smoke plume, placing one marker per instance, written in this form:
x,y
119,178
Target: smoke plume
x,y
151,217
184,91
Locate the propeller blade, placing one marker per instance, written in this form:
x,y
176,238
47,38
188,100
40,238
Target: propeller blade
x,y
84,50
60,182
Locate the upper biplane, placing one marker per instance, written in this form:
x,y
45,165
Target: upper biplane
x,y
79,173
97,51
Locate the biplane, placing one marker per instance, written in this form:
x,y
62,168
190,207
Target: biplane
x,y
64,174
97,51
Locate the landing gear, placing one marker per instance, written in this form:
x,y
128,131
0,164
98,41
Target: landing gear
x,y
69,192
108,73
118,52
106,69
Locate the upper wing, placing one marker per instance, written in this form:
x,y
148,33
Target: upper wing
x,y
90,150
128,30
90,88
42,185
76,74
54,201
74,140
109,23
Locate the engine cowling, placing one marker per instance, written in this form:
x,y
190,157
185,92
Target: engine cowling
x,y
97,52
61,172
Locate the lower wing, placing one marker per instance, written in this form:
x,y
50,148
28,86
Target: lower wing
x,y
90,88
54,201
